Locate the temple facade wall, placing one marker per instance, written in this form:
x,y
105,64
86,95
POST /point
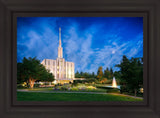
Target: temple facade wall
x,y
60,68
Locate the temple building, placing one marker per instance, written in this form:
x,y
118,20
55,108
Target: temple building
x,y
62,70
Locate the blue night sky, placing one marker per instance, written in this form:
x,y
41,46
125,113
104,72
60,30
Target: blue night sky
x,y
89,42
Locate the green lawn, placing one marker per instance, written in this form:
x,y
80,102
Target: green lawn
x,y
40,89
37,96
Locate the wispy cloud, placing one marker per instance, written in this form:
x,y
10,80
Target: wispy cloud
x,y
88,42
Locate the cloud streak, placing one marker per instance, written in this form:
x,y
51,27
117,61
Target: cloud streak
x,y
88,42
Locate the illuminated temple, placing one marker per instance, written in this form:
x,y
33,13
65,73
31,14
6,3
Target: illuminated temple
x,y
62,70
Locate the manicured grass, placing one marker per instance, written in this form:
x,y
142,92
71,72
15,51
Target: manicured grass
x,y
37,96
40,89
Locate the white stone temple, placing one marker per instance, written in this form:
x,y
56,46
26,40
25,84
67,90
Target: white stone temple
x,y
62,70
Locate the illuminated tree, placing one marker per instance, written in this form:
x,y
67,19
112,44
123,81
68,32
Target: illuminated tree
x,y
31,70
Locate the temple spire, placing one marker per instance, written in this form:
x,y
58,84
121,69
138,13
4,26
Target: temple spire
x,y
60,45
60,49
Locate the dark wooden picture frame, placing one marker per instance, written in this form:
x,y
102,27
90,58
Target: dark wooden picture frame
x,y
11,9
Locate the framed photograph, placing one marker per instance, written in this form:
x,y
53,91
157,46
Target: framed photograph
x,y
79,59
86,59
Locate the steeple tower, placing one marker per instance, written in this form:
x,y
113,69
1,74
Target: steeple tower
x,y
62,70
59,37
60,49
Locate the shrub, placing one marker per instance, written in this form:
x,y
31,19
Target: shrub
x,y
20,86
63,88
108,82
91,88
74,89
123,89
36,85
56,87
103,81
113,90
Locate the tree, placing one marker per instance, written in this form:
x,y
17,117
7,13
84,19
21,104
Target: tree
x,y
131,74
77,75
81,73
117,74
20,77
111,72
93,75
124,66
106,73
31,70
100,73
136,75
103,81
86,75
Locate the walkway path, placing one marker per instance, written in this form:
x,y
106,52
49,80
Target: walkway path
x,y
25,90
